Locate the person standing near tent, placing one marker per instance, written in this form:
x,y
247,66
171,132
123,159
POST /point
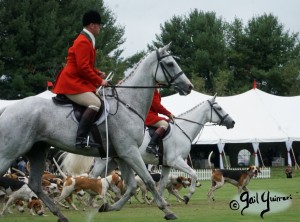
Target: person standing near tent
x,y
289,172
154,120
79,79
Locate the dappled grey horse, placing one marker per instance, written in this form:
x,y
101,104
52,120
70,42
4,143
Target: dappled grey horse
x,y
177,144
29,127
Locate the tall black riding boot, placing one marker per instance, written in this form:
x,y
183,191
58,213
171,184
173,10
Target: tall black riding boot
x,y
158,134
84,127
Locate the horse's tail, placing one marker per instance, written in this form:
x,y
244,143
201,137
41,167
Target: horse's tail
x,y
59,169
209,157
76,164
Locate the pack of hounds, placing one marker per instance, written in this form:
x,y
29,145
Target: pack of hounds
x,y
88,191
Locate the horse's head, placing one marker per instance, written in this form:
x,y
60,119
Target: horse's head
x,y
169,72
219,115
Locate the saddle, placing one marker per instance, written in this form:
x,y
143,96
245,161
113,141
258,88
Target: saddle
x,y
151,130
62,100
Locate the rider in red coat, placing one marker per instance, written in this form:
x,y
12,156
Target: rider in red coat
x,y
153,119
79,79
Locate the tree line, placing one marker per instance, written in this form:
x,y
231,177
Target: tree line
x,y
218,57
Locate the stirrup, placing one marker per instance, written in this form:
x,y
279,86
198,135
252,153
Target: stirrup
x,y
83,142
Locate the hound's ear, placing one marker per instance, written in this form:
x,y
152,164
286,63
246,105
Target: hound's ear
x,y
179,179
30,204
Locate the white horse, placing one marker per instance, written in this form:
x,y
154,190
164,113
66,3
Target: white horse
x,y
29,127
177,144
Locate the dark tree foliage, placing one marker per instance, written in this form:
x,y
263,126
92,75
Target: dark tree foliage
x,y
226,58
35,36
262,51
198,40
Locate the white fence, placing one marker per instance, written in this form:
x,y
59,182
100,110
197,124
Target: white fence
x,y
205,174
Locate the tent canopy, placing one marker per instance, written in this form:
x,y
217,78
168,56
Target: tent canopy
x,y
259,117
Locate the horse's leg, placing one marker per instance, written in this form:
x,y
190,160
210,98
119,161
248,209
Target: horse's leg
x,y
100,165
180,164
137,164
128,176
37,158
165,171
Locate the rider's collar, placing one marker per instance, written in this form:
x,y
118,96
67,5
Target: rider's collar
x,y
92,37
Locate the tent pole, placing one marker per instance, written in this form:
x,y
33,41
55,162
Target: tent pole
x,y
296,164
261,158
225,159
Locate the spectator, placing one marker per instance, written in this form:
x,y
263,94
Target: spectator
x,y
22,165
289,172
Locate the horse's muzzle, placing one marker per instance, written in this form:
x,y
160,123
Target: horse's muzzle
x,y
183,91
230,124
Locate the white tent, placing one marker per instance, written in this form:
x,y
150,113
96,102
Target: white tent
x,y
46,94
260,117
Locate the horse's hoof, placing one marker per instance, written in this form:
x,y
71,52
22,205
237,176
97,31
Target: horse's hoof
x,y
170,217
103,208
186,199
62,220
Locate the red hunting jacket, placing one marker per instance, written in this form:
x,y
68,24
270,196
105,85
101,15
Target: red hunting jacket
x,y
155,109
79,74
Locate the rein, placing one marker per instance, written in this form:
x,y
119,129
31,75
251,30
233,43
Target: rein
x,y
170,80
222,118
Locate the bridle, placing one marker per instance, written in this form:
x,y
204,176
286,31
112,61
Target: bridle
x,y
169,79
212,108
222,118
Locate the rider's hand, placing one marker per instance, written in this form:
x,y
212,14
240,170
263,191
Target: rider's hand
x,y
102,74
104,83
171,117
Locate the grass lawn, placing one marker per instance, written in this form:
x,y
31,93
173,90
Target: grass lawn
x,y
198,209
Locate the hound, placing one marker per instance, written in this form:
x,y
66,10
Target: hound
x,y
93,186
173,181
19,190
238,178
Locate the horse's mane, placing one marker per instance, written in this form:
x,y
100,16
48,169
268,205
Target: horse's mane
x,y
2,110
190,110
133,71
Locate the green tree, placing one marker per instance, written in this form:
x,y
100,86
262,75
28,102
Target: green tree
x,y
198,40
35,36
260,51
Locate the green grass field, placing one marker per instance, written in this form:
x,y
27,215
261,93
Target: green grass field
x,y
198,209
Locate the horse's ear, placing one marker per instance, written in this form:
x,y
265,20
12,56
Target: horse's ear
x,y
166,47
215,96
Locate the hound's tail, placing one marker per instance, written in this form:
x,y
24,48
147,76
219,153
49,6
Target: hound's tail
x,y
209,157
